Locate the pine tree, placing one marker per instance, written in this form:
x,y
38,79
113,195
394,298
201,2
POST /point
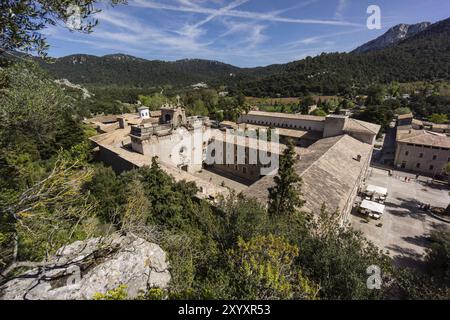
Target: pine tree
x,y
285,197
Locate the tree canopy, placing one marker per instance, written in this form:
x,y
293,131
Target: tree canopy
x,y
22,21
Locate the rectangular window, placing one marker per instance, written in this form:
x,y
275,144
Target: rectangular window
x,y
418,165
421,155
406,153
434,157
403,164
431,167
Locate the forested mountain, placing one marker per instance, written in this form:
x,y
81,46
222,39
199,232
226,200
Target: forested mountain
x,y
125,70
423,56
393,36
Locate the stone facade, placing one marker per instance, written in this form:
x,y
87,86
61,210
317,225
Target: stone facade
x,y
284,120
420,148
333,153
424,157
173,115
329,126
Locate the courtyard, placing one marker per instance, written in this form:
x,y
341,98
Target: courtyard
x,y
402,230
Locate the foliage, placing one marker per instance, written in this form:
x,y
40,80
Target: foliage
x,y
48,214
319,112
285,196
41,207
438,256
36,112
381,115
109,192
132,72
21,22
438,118
402,110
422,57
263,268
153,102
413,285
155,294
119,293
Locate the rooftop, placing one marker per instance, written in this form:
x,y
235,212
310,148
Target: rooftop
x,y
293,133
353,125
286,115
405,116
330,171
423,137
114,142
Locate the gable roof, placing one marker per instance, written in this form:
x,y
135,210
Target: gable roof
x,y
354,125
286,115
405,116
423,137
329,170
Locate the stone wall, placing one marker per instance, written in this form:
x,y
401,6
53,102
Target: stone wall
x,y
291,123
432,160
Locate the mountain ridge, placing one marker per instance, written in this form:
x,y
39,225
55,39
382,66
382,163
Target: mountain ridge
x,y
393,36
420,56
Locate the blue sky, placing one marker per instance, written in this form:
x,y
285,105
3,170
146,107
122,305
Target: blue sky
x,y
245,33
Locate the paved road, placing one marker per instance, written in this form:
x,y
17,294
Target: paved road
x,y
404,225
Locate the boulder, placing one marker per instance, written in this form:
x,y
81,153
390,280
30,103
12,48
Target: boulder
x,y
82,269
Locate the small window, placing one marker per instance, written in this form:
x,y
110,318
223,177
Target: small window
x,y
406,153
418,165
421,155
431,167
403,164
434,157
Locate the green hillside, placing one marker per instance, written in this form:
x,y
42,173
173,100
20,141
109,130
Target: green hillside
x,y
423,57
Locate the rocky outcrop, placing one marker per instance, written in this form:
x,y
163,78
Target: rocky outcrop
x,y
393,36
84,268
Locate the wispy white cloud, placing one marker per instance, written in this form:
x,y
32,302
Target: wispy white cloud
x,y
342,5
319,39
220,12
238,14
210,29
249,35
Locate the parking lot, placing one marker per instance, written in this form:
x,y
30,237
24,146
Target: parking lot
x,y
404,226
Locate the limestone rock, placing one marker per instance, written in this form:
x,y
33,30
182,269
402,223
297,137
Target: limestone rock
x,y
393,36
83,268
